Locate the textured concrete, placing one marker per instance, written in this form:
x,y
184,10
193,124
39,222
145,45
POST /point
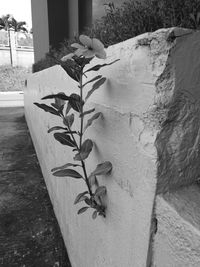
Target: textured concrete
x,y
150,133
29,233
177,241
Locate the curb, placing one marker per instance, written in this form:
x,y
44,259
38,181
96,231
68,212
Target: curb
x,y
12,99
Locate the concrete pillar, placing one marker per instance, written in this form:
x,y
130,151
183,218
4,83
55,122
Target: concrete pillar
x,y
40,28
73,18
85,15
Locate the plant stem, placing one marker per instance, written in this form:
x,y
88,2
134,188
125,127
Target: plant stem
x,y
81,96
86,178
81,134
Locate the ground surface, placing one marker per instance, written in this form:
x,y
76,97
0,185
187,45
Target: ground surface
x,y
29,233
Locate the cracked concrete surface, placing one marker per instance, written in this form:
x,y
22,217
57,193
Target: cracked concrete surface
x,y
29,233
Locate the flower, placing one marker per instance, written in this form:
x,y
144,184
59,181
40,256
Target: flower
x,y
90,47
69,56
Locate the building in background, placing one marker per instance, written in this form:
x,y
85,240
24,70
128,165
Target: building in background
x,y
53,20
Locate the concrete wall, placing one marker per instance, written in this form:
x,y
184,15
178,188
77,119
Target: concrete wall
x,y
24,57
155,71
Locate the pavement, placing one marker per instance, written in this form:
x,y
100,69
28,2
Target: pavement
x,y
29,232
12,99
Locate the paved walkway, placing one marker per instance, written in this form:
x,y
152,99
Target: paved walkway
x,y
29,233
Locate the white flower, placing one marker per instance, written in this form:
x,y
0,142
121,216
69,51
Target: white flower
x,y
90,47
69,56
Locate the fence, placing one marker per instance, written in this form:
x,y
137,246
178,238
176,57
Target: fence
x,y
16,48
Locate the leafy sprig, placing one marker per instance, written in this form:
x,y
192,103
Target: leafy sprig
x,y
74,64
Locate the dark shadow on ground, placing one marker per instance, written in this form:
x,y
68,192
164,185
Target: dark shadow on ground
x,y
29,232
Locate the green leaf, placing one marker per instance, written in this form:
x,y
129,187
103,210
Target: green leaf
x,y
64,139
68,108
94,79
103,168
90,121
99,66
94,214
80,197
72,69
75,102
95,87
55,128
47,109
88,201
92,179
68,120
65,166
82,61
55,105
68,173
85,150
60,103
100,191
82,210
87,112
59,96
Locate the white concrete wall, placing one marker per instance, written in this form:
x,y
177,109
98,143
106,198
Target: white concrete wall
x,y
135,101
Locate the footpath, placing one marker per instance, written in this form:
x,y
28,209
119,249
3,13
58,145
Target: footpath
x,y
29,233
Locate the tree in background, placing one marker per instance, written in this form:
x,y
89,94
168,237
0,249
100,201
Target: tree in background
x,y
9,22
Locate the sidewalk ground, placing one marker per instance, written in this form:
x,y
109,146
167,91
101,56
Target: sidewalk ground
x,y
29,233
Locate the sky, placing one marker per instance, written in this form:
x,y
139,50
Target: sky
x,y
20,9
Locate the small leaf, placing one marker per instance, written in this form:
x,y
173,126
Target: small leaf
x,y
59,96
68,173
92,179
94,214
68,120
85,150
47,109
75,102
103,168
80,197
68,108
55,105
99,66
60,102
95,87
87,112
100,191
55,128
82,210
82,61
88,201
65,166
90,121
72,70
94,79
64,139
